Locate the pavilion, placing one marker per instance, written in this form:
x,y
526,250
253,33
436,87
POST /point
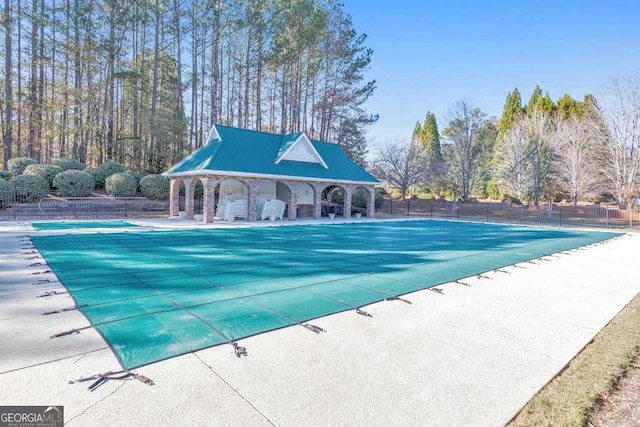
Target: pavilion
x,y
249,167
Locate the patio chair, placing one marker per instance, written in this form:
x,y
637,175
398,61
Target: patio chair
x,y
235,209
224,201
273,209
259,203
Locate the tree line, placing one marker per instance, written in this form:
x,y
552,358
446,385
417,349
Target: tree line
x,y
538,151
141,81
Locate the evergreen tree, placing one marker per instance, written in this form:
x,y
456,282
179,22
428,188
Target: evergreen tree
x,y
430,139
417,131
537,102
534,100
547,104
511,112
567,107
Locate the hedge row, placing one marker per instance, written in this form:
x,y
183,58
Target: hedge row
x,y
31,181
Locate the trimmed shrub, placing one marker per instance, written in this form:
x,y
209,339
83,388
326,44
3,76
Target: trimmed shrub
x,y
107,169
48,172
121,185
74,183
360,199
337,196
68,164
137,175
5,175
6,194
155,186
29,188
94,174
104,171
16,166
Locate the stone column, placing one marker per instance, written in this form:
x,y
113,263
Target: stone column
x,y
189,186
346,208
317,200
293,201
209,202
174,197
371,203
254,186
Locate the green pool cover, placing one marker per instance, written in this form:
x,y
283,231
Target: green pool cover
x,y
158,294
65,225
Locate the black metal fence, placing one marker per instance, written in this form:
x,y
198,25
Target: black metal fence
x,y
561,215
86,208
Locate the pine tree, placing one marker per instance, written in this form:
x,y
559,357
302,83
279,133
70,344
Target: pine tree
x,y
511,112
534,100
567,107
547,104
430,139
537,102
417,130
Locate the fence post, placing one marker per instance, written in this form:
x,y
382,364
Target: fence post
x,y
607,217
561,209
390,206
487,213
408,202
521,213
431,210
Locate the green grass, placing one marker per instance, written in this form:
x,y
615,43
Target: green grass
x,y
568,399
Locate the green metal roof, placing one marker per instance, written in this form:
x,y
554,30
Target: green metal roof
x,y
247,152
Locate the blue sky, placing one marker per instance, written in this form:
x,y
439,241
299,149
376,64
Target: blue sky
x,y
429,54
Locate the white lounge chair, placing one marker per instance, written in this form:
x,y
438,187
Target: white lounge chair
x,y
259,203
235,209
225,200
273,209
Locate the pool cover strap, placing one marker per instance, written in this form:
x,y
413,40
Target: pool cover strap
x,y
111,375
313,328
62,310
406,301
239,350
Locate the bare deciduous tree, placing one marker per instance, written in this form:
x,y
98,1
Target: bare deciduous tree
x,y
540,134
577,150
401,165
620,105
513,167
465,145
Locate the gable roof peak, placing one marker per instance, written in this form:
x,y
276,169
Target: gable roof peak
x,y
297,147
213,135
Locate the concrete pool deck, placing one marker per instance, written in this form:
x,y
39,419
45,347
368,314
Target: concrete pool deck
x,y
473,355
